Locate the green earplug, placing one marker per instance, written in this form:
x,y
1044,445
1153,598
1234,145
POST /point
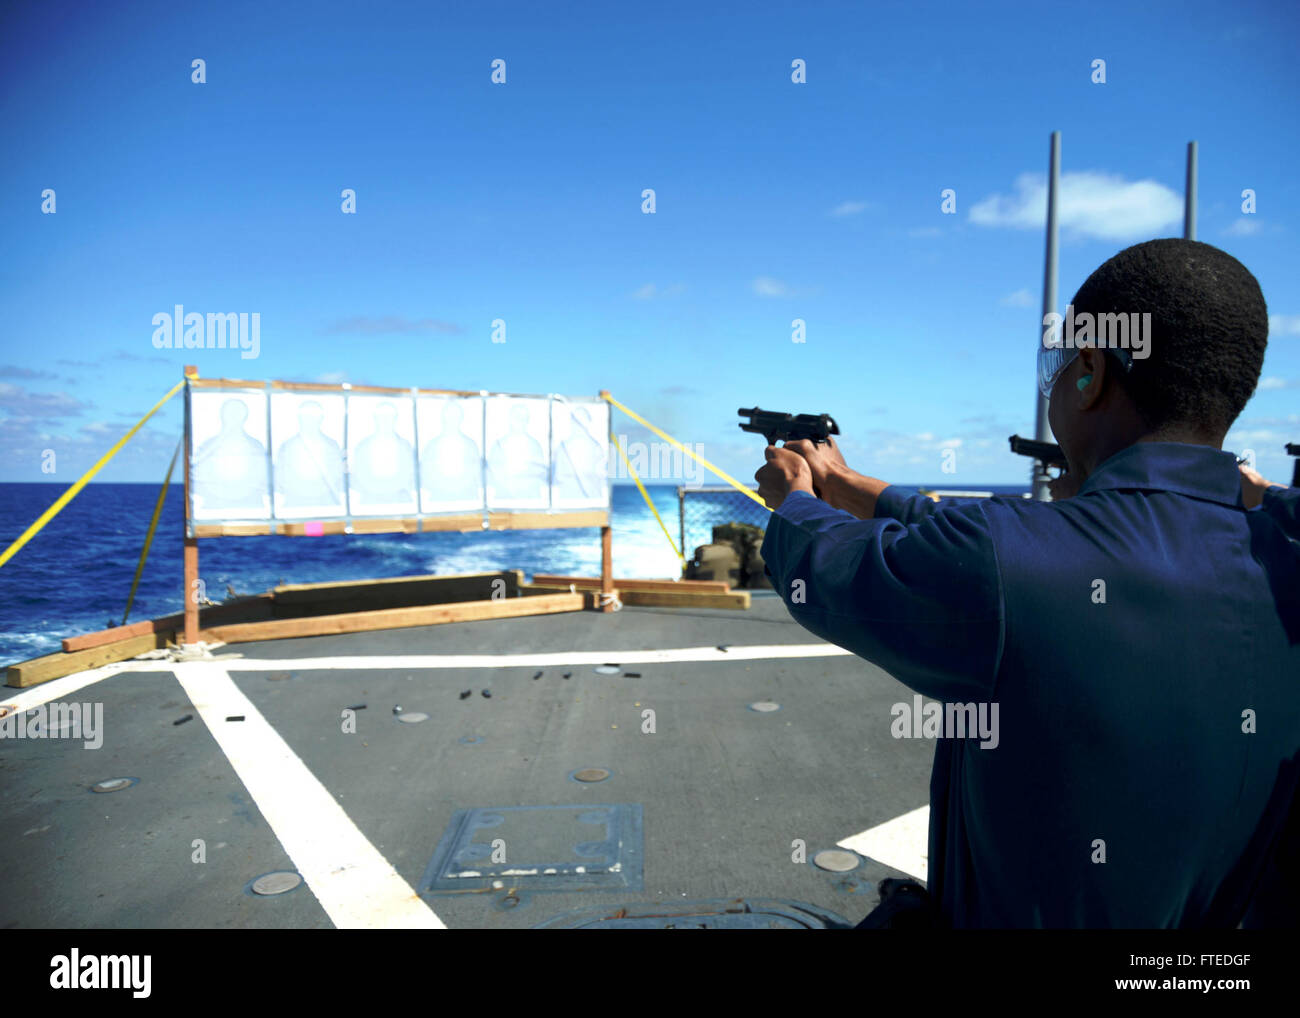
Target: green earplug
x,y
1083,382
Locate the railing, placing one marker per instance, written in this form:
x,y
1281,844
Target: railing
x,y
701,509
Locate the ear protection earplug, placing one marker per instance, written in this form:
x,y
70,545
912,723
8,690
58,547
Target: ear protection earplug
x,y
1084,382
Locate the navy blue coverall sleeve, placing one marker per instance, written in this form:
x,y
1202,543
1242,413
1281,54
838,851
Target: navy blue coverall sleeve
x,y
919,599
1283,504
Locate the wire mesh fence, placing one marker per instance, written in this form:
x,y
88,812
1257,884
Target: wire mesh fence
x,y
701,509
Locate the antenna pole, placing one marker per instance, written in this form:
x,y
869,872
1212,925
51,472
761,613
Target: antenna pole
x,y
1038,476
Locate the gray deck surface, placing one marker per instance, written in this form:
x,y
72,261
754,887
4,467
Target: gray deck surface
x,y
724,790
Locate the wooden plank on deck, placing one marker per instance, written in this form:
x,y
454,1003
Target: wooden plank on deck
x,y
395,618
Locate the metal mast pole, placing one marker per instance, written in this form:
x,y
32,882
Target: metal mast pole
x,y
1039,476
1189,195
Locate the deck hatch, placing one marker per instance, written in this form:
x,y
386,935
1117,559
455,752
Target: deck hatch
x,y
541,848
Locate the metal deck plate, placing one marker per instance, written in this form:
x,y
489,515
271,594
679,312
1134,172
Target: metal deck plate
x,y
716,914
541,848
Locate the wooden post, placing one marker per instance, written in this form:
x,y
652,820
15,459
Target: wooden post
x,y
607,544
191,544
606,569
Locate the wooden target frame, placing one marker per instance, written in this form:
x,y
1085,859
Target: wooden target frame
x,y
263,513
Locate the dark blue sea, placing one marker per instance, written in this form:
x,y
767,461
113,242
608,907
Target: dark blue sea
x,y
74,576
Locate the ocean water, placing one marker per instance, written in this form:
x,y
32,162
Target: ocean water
x,y
74,576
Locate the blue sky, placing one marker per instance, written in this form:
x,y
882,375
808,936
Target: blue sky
x,y
523,202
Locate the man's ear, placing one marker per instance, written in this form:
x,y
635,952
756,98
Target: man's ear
x,y
1090,377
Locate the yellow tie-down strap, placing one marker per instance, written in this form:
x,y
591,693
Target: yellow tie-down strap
x,y
678,445
72,492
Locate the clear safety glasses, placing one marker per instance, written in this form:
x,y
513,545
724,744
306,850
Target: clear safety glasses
x,y
1054,357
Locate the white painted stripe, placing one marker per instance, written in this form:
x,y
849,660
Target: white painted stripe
x,y
540,660
901,843
356,886
55,689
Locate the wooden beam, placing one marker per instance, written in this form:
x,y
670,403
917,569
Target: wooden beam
x,y
415,590
308,387
298,528
55,666
547,521
734,600
243,609
226,383
465,523
408,525
231,529
395,618
594,583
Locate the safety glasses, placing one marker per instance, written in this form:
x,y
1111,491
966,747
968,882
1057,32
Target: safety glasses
x,y
1054,357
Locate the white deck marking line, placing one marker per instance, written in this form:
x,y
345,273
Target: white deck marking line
x,y
901,843
34,696
540,660
354,883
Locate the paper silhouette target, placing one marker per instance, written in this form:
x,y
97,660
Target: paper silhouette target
x,y
307,432
518,460
451,454
381,455
392,455
579,454
228,470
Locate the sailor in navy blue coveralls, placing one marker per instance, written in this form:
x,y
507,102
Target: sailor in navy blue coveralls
x,y
1162,721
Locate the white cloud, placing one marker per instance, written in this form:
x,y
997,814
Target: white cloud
x,y
850,208
1264,441
19,403
1022,298
1244,227
650,291
766,286
1101,206
1278,383
332,378
1284,325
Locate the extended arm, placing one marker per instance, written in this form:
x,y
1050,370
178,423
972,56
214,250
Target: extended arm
x,y
921,601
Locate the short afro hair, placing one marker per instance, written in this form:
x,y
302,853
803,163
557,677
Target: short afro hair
x,y
1209,327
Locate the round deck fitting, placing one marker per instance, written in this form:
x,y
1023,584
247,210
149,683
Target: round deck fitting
x,y
470,740
837,860
277,882
509,902
764,706
413,718
113,784
590,774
